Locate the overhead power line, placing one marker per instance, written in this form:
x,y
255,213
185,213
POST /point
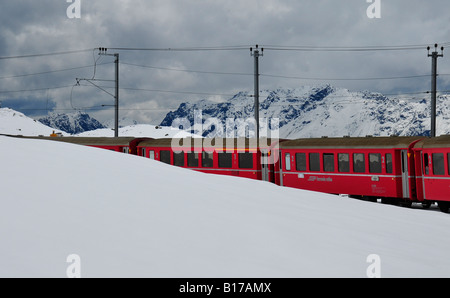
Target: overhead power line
x,y
46,54
188,70
347,49
279,76
186,49
52,71
36,89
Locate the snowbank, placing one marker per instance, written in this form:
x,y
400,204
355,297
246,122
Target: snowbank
x,y
126,216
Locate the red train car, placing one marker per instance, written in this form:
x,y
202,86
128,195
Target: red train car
x,y
234,157
371,167
432,165
120,144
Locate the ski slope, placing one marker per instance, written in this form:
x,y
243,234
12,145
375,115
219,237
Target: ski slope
x,y
126,216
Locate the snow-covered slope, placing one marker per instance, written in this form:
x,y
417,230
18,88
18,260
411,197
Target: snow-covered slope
x,y
16,123
326,111
126,216
141,130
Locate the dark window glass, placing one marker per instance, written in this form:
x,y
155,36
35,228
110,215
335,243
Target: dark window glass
x,y
164,156
225,160
344,163
438,164
246,160
281,161
389,169
328,162
359,163
314,162
178,159
426,167
207,160
192,159
448,161
375,163
300,159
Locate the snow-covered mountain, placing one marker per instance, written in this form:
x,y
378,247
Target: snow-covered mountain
x,y
320,111
140,130
71,123
124,121
15,123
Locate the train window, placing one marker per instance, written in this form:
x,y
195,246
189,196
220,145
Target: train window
x,y
300,159
375,163
287,161
192,158
225,160
207,159
314,162
328,162
438,164
178,159
426,166
448,161
389,169
359,163
151,154
164,156
344,162
246,160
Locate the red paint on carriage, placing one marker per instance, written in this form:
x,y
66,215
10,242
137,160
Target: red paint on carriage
x,y
369,167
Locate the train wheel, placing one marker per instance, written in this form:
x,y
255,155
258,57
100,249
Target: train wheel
x,y
444,206
426,204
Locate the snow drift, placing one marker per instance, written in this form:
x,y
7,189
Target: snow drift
x,y
126,216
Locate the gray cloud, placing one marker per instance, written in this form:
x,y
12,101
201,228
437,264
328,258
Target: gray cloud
x,y
30,27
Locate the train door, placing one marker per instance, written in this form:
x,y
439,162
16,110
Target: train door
x,y
280,167
405,174
151,154
264,166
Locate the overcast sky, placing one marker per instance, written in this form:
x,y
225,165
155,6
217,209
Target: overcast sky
x,y
154,81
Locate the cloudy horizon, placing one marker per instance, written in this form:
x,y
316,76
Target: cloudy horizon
x,y
210,51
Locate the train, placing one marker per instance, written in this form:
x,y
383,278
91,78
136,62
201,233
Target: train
x,y
396,170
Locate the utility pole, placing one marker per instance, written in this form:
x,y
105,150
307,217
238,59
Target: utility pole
x,y
434,55
116,96
256,54
116,125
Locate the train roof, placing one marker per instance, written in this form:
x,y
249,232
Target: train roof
x,y
347,142
93,141
437,142
229,143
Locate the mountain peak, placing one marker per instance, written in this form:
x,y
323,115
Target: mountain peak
x,y
74,123
322,110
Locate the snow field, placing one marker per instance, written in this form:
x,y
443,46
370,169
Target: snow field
x,y
126,216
